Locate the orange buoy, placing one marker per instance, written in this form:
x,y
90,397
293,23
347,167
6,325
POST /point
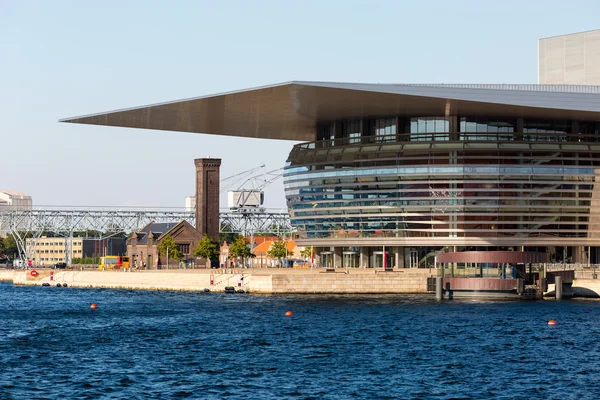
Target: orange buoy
x,y
552,322
33,273
289,313
94,306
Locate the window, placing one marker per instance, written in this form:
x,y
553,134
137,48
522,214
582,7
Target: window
x,y
592,129
541,126
351,130
384,128
491,129
478,124
325,132
429,126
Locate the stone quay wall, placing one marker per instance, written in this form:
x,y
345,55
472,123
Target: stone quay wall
x,y
265,281
384,282
7,275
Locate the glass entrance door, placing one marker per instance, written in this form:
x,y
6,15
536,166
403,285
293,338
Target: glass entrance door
x,y
378,259
350,259
327,259
414,259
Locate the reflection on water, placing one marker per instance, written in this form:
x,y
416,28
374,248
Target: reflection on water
x,y
178,345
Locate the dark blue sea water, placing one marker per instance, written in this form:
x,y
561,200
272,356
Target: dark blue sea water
x,y
141,344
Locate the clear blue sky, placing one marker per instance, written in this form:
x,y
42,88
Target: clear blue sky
x,y
68,58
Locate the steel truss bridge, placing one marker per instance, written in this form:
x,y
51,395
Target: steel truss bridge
x,y
23,224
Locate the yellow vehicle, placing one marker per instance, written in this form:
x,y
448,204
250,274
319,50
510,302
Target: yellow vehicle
x,y
113,262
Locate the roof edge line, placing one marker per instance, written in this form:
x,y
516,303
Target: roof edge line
x,y
71,119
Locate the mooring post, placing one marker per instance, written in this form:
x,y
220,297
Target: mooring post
x,y
439,293
558,287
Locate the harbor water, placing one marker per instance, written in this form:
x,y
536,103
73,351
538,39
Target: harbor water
x,y
150,344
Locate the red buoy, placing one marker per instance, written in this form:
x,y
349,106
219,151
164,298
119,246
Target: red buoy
x,y
552,322
33,273
94,306
289,313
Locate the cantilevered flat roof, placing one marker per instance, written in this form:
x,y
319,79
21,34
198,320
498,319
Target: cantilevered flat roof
x,y
291,110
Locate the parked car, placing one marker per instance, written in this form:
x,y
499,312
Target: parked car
x,y
60,265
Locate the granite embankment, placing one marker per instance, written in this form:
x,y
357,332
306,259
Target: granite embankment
x,y
267,281
7,275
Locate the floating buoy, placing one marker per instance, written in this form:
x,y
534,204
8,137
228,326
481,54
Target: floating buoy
x,y
94,306
552,322
64,285
289,313
58,285
33,273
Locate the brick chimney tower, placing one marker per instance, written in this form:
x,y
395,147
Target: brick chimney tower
x,y
207,196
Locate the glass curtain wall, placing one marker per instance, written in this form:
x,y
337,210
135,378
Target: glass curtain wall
x,y
384,129
429,128
351,131
449,190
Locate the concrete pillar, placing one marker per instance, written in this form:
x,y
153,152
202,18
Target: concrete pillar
x,y
520,128
207,196
558,287
579,255
317,256
364,257
397,257
337,257
439,293
544,271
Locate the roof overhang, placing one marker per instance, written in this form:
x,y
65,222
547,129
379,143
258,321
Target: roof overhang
x,y
291,111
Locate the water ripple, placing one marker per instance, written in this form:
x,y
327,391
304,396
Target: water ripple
x,y
155,345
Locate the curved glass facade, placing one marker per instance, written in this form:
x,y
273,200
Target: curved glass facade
x,y
447,181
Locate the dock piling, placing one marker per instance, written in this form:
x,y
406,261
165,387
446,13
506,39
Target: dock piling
x,y
439,293
558,287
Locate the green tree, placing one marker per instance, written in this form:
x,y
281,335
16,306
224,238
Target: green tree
x,y
306,252
227,235
1,246
10,246
207,248
87,260
240,248
168,243
279,250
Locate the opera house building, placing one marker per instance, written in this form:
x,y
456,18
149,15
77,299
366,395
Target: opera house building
x,y
410,171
